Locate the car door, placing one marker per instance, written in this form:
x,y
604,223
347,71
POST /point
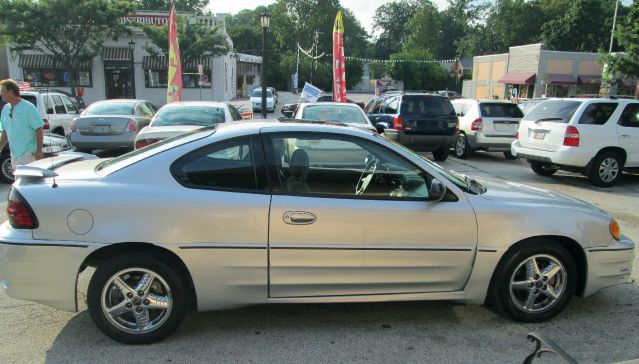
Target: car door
x,y
628,131
335,229
57,119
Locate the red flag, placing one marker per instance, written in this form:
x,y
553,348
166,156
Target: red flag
x,y
174,92
339,68
24,86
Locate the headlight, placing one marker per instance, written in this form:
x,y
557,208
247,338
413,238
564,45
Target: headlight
x,y
615,231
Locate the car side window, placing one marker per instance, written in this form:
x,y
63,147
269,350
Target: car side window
x,y
146,110
71,109
59,105
376,106
229,165
597,113
391,106
630,116
48,105
234,113
151,107
328,165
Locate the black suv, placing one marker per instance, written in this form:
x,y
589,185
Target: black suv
x,y
423,122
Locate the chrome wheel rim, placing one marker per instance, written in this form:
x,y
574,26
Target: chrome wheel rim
x,y
609,169
460,146
538,283
136,300
7,170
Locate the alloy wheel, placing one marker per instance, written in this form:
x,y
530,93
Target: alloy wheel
x,y
608,170
538,283
460,145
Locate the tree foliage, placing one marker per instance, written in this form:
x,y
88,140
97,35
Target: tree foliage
x,y
71,32
625,64
190,6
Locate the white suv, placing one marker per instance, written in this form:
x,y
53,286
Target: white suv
x,y
596,137
56,109
486,125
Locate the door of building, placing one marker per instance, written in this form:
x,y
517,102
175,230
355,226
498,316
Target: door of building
x,y
119,82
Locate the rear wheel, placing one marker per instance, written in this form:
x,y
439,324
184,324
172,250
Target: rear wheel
x,y
137,298
606,169
7,171
509,155
543,168
462,149
441,154
534,282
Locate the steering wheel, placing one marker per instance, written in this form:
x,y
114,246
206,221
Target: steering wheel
x,y
367,175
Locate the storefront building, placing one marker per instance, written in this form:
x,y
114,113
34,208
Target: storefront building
x,y
529,71
125,70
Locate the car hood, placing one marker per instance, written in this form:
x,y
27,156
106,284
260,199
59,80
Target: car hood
x,y
514,193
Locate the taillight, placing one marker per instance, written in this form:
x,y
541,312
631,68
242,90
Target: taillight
x,y
74,125
141,143
20,214
517,135
456,125
46,124
398,123
571,138
133,126
477,125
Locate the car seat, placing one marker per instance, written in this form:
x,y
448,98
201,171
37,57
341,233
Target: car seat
x,y
298,168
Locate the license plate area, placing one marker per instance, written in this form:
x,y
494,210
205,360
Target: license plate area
x,y
102,129
539,135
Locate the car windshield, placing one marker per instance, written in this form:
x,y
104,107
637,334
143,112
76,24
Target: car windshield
x,y
110,108
258,93
556,111
427,105
111,165
500,110
189,115
340,113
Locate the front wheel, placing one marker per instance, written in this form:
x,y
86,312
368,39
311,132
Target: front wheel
x,y
137,298
441,154
542,168
534,282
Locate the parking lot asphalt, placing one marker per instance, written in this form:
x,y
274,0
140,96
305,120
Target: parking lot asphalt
x,y
601,328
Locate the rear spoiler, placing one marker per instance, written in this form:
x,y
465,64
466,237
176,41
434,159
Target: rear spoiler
x,y
45,167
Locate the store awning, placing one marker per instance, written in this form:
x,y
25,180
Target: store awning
x,y
518,79
45,61
564,80
589,80
116,54
162,63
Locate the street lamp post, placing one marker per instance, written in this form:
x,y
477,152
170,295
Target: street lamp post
x,y
266,20
132,48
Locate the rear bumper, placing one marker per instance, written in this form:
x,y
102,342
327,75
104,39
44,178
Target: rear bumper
x,y
609,266
421,142
125,140
499,143
564,156
42,271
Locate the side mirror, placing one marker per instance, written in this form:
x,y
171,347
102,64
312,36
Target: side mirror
x,y
381,126
437,190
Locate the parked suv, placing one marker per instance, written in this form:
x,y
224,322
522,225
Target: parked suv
x,y
56,109
486,125
423,122
596,137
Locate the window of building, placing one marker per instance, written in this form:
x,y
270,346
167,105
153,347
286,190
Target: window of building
x,y
190,79
55,77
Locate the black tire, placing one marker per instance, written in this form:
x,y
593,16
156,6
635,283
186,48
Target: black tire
x,y
509,155
542,168
441,154
58,131
175,281
508,301
462,148
606,169
6,174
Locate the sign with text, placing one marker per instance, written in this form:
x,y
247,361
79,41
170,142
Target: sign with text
x,y
310,92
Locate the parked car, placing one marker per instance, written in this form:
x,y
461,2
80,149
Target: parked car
x,y
423,122
288,110
77,100
256,100
111,124
181,117
275,95
486,125
262,212
596,137
529,104
452,95
345,113
52,145
57,110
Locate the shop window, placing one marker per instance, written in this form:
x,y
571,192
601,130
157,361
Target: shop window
x,y
55,77
190,79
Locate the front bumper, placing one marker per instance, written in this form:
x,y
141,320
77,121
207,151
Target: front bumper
x,y
42,271
609,266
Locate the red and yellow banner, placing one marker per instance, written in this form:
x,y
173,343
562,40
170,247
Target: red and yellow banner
x,y
174,92
339,67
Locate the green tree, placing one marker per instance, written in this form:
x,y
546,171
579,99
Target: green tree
x,y
190,6
416,75
425,30
457,21
625,64
390,20
70,32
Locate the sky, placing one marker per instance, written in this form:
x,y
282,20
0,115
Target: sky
x,y
363,9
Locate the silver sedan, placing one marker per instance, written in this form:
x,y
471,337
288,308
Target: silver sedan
x,y
280,212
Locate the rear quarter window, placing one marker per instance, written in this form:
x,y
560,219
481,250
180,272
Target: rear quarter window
x,y
597,113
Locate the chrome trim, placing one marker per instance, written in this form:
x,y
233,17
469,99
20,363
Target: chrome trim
x,y
369,247
45,244
222,246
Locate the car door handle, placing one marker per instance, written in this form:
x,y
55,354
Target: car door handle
x,y
299,218
625,136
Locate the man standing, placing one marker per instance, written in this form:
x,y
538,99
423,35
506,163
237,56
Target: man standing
x,y
21,125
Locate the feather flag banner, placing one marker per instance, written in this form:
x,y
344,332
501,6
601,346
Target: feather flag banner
x,y
174,92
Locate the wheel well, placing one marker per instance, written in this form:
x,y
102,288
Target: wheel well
x,y
96,258
58,130
618,150
573,248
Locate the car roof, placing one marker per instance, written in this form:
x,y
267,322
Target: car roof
x,y
329,103
289,124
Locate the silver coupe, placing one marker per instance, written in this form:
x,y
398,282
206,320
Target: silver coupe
x,y
283,212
